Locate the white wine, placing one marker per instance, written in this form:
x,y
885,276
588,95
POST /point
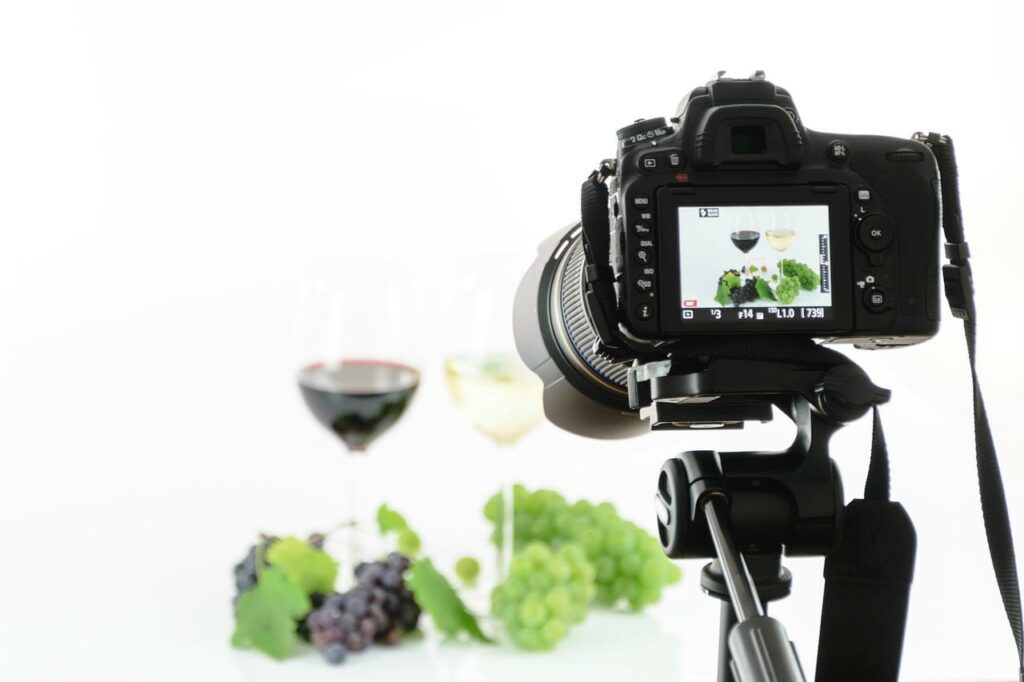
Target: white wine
x,y
497,393
780,240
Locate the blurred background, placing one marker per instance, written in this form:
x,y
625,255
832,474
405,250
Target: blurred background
x,y
170,171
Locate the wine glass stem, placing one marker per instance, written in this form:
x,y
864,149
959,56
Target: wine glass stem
x,y
350,545
507,530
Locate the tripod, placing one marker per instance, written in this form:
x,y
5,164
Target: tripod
x,y
743,509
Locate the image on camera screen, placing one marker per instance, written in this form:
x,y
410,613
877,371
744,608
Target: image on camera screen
x,y
748,258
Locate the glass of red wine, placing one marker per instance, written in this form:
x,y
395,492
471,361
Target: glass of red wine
x,y
355,364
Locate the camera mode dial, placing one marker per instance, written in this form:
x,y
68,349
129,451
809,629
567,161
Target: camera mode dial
x,y
642,129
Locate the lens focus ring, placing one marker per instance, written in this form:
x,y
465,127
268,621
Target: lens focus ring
x,y
571,316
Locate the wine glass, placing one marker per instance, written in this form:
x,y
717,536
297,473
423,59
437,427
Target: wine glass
x,y
355,364
488,383
780,237
745,237
745,240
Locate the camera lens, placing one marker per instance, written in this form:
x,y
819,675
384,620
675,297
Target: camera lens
x,y
583,392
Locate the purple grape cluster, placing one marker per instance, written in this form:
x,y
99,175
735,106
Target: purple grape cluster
x,y
247,569
744,294
380,608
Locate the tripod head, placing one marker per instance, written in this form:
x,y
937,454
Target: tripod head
x,y
724,505
792,498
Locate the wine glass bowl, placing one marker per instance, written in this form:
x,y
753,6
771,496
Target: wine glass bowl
x,y
496,393
780,239
358,400
745,240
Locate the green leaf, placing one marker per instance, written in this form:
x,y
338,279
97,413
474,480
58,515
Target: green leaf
x,y
266,615
731,279
313,570
408,542
435,595
764,290
390,521
722,295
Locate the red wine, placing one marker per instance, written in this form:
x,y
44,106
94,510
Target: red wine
x,y
358,399
745,240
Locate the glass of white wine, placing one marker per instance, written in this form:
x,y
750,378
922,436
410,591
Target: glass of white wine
x,y
488,383
780,237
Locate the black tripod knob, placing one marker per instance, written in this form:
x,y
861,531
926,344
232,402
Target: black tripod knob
x,y
846,393
673,506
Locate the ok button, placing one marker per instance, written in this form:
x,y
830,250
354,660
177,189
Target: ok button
x,y
875,232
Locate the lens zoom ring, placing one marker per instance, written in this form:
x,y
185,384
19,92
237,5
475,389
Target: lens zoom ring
x,y
577,322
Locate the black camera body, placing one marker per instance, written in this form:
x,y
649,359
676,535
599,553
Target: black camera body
x,y
733,218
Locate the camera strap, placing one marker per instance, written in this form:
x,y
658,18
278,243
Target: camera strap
x,y
959,288
867,582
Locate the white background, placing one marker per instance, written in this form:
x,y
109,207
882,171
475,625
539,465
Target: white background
x,y
706,251
168,169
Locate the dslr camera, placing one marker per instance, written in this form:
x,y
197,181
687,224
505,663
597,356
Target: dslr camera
x,y
711,254
730,219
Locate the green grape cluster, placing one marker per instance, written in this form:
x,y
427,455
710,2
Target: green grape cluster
x,y
629,565
546,591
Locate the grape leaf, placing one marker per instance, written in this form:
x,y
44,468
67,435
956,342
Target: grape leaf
x,y
435,595
266,615
408,542
313,570
764,290
722,295
390,521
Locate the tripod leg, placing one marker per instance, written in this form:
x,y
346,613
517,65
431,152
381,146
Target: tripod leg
x,y
725,624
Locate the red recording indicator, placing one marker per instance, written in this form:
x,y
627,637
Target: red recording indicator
x,y
690,303
682,177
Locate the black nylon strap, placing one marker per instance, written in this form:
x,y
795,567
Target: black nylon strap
x,y
960,293
867,582
600,278
877,485
594,219
867,594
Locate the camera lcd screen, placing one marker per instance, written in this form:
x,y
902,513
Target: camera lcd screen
x,y
755,263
